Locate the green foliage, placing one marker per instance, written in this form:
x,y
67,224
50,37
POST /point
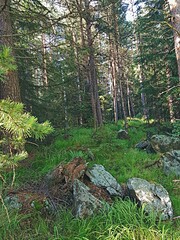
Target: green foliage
x,y
129,233
122,221
176,128
21,124
6,62
77,154
15,127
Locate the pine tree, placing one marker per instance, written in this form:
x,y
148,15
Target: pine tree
x,y
9,88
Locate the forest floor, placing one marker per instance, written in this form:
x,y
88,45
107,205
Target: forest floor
x,y
123,220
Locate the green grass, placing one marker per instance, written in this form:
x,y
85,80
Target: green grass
x,y
123,220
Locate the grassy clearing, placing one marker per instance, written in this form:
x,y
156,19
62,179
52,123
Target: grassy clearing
x,y
123,220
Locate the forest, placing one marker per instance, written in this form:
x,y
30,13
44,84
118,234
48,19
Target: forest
x,y
89,87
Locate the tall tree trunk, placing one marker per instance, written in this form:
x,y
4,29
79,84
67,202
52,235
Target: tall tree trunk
x,y
9,88
170,99
114,78
141,80
76,51
128,98
137,38
175,12
44,61
119,63
92,72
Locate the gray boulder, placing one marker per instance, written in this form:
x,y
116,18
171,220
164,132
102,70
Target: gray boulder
x,y
171,163
145,145
85,204
153,197
142,145
101,178
122,134
163,143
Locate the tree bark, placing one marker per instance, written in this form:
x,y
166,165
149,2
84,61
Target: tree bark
x,y
175,20
170,99
128,98
92,72
44,61
141,80
10,87
114,78
119,63
140,72
76,52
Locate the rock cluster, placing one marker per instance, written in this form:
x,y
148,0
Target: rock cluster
x,y
169,147
85,190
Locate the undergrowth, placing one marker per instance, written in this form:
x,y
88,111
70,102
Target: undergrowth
x,y
123,220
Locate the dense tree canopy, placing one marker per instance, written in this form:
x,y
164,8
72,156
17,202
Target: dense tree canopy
x,y
82,62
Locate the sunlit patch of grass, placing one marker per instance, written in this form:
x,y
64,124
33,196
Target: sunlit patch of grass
x,y
135,233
